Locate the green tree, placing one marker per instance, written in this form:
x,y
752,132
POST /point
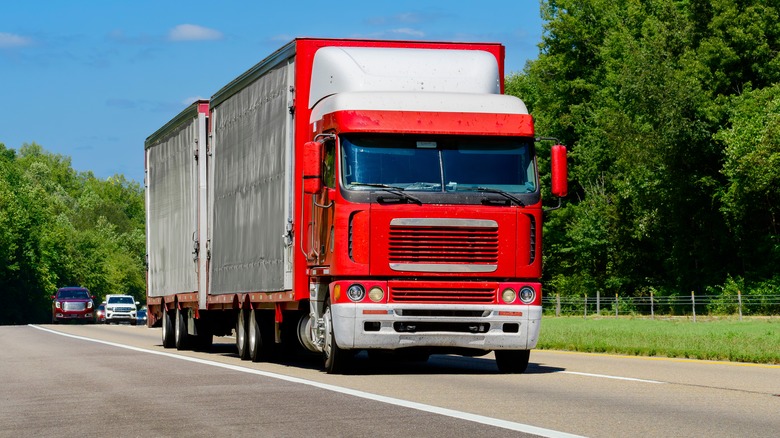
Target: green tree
x,y
638,90
59,227
751,198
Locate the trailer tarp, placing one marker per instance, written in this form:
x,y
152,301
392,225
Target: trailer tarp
x,y
172,187
250,137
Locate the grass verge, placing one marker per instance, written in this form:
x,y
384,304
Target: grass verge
x,y
751,340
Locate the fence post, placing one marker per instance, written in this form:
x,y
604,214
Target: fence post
x,y
616,305
586,306
557,304
598,302
693,304
652,305
739,298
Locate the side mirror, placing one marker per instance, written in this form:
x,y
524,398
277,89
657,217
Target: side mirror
x,y
312,167
560,174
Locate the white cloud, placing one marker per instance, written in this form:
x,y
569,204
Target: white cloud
x,y
192,32
8,40
409,32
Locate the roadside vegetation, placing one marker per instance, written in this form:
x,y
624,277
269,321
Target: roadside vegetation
x,y
59,227
671,113
755,339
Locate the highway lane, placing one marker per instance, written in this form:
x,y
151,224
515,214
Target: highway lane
x,y
589,395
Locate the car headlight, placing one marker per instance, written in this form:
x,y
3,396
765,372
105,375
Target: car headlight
x,y
58,305
356,292
527,294
508,296
89,305
376,294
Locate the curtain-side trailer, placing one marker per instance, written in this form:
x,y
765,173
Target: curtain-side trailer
x,y
347,195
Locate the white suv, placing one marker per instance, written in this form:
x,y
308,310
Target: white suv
x,y
121,308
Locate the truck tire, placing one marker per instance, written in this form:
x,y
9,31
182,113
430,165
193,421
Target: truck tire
x,y
182,338
336,359
258,347
168,340
512,361
242,340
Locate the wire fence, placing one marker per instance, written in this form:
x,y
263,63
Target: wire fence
x,y
669,305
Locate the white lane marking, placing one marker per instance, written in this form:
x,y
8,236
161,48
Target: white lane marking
x,y
510,425
604,376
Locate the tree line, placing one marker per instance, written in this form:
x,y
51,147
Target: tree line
x,y
671,111
59,227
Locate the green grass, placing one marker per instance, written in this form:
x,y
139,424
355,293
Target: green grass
x,y
750,340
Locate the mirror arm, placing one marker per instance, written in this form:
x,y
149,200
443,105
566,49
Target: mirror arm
x,y
545,210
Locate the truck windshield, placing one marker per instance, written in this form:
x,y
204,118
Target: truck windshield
x,y
437,163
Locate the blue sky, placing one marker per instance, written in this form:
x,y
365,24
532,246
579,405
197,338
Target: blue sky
x,y
91,79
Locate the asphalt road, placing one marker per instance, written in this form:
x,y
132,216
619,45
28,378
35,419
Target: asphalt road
x,y
118,381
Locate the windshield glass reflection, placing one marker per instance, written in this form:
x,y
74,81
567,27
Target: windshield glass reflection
x,y
437,163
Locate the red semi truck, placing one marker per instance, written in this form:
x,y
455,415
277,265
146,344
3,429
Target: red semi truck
x,y
348,195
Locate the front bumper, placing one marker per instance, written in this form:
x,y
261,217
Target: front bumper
x,y
120,316
393,326
66,316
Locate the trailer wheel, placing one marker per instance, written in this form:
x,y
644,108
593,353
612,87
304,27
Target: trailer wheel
x,y
512,361
182,338
336,359
258,347
168,340
242,341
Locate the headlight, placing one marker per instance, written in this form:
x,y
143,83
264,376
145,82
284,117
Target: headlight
x,y
376,294
356,292
89,305
527,294
508,296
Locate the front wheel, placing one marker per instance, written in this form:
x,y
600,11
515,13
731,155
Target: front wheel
x,y
336,359
512,361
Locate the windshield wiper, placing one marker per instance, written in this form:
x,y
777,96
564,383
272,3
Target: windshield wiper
x,y
507,195
398,191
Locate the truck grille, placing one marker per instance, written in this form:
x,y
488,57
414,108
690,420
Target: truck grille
x,y
443,294
415,242
74,306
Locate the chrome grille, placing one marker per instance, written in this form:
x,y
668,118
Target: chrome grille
x,y
411,242
74,305
432,294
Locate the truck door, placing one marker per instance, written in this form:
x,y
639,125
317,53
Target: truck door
x,y
324,206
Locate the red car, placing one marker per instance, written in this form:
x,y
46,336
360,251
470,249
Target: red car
x,y
100,314
72,304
